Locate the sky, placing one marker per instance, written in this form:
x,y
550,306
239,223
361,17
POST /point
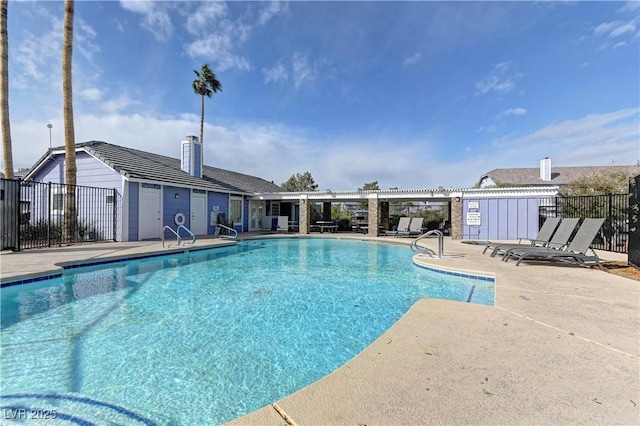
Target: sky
x,y
414,95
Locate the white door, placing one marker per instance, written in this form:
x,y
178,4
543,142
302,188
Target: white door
x,y
199,214
257,209
149,214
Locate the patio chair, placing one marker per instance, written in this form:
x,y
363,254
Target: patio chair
x,y
542,239
283,224
403,225
575,253
415,228
559,240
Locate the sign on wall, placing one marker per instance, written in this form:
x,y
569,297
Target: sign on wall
x,y
474,205
474,219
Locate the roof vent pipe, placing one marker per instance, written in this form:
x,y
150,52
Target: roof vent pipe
x,y
545,169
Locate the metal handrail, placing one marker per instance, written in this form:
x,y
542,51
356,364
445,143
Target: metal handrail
x,y
427,250
233,237
193,237
178,238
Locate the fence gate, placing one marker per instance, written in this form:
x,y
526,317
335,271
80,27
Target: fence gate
x,y
10,214
634,221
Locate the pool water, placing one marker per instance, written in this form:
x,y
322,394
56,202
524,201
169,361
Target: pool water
x,y
207,336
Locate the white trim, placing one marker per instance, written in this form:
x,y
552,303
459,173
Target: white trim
x,y
177,185
125,210
438,194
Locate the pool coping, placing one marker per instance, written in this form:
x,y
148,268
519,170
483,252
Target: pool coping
x,y
81,263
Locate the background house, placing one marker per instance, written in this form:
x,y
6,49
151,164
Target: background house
x,y
152,191
545,175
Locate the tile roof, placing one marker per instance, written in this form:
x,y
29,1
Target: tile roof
x,y
559,175
138,164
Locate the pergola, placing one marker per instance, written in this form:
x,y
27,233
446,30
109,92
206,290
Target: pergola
x,y
378,201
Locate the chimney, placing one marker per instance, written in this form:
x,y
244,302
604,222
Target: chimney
x,y
191,156
545,169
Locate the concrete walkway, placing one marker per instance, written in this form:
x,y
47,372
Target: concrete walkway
x,y
560,346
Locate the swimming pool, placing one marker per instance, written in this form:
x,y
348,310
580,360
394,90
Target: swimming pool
x,y
207,336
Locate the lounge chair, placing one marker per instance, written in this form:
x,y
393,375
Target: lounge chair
x,y
282,224
559,240
575,253
542,239
415,228
403,225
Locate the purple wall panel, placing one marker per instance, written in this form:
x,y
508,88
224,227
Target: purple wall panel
x,y
502,213
173,206
506,218
134,197
513,231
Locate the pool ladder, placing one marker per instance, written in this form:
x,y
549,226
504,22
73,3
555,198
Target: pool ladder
x,y
178,237
426,250
232,237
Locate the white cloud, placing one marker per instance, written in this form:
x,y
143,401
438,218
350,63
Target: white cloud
x,y
275,74
487,129
502,79
615,29
119,25
205,16
217,38
155,17
271,9
302,70
36,53
615,34
412,60
631,6
118,104
275,152
512,112
91,94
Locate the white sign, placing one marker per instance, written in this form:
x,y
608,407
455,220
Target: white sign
x,y
474,205
473,219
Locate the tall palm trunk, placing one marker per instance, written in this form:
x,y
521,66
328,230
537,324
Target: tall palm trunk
x,y
70,219
6,126
202,121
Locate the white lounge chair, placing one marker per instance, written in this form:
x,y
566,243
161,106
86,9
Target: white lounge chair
x,y
415,228
403,226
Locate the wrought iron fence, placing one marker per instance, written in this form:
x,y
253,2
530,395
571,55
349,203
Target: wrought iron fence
x,y
613,235
634,221
37,214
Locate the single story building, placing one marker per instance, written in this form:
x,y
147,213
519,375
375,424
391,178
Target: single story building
x,y
151,191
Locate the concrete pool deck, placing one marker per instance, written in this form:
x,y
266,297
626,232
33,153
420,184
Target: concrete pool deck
x,y
560,346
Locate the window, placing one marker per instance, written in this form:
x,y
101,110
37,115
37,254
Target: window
x,y
57,203
109,200
235,210
275,209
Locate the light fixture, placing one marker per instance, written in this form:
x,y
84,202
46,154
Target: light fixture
x,y
176,195
457,199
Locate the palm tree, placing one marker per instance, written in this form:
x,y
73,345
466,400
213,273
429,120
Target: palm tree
x,y
69,133
206,84
4,102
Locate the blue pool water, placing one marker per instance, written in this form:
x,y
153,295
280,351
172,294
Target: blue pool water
x,y
207,336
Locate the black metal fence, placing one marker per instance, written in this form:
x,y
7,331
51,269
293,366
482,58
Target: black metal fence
x,y
634,221
613,235
37,214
